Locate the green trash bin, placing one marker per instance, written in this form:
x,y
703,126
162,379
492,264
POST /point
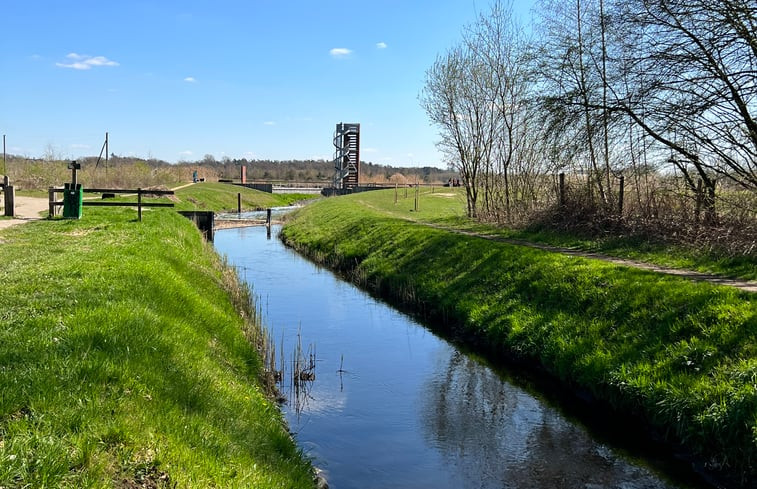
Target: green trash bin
x,y
72,201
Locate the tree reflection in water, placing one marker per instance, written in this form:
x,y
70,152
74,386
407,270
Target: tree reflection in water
x,y
498,436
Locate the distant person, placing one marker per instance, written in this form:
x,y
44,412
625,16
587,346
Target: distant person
x,y
194,176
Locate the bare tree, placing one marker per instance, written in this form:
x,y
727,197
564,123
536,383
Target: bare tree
x,y
455,99
694,87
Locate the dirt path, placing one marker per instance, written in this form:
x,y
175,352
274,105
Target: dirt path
x,y
27,209
745,285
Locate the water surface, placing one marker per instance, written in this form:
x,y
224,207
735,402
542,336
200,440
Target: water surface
x,y
394,406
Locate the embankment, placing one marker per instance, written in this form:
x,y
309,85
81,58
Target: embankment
x,y
124,361
680,356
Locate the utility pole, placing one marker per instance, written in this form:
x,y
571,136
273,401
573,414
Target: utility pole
x,y
107,153
3,154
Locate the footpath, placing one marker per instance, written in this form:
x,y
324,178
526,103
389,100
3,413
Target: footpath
x,y
27,209
745,285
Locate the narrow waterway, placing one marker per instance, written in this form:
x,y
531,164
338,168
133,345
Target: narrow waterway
x,y
394,406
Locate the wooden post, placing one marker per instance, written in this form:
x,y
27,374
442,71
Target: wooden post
x,y
239,202
268,217
417,189
51,201
562,190
620,195
10,200
139,204
395,192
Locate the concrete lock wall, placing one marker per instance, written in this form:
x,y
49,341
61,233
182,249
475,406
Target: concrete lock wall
x,y
204,220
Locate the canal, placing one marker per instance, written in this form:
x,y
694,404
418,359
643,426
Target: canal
x,y
392,405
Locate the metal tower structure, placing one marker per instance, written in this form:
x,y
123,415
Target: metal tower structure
x,y
346,155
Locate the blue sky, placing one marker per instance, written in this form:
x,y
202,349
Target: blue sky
x,y
255,79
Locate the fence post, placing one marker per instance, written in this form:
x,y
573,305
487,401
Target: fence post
x,y
239,202
562,189
51,201
9,194
139,204
620,195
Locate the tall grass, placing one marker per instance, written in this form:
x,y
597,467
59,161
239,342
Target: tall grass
x,y
123,362
680,355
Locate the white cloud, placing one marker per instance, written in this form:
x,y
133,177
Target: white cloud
x,y
190,79
340,52
85,61
381,45
370,150
269,123
185,153
80,146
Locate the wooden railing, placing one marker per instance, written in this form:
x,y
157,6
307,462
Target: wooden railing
x,y
52,191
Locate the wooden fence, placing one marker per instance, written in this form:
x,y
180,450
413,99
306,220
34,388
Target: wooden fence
x,y
52,191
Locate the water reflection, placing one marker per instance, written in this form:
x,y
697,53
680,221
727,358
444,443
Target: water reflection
x,y
497,435
392,405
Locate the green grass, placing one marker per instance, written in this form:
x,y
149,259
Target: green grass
x,y
124,363
681,355
217,197
223,197
446,207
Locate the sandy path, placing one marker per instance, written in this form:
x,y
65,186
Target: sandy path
x,y
27,209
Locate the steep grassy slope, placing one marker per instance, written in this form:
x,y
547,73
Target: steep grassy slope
x,y
123,362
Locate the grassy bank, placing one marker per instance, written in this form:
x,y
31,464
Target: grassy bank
x,y
124,363
446,207
680,355
223,197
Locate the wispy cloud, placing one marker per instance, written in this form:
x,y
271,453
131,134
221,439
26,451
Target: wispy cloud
x,y
185,153
381,45
340,52
80,146
85,62
190,79
269,123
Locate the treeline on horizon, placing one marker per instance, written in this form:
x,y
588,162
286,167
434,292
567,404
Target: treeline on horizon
x,y
122,171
